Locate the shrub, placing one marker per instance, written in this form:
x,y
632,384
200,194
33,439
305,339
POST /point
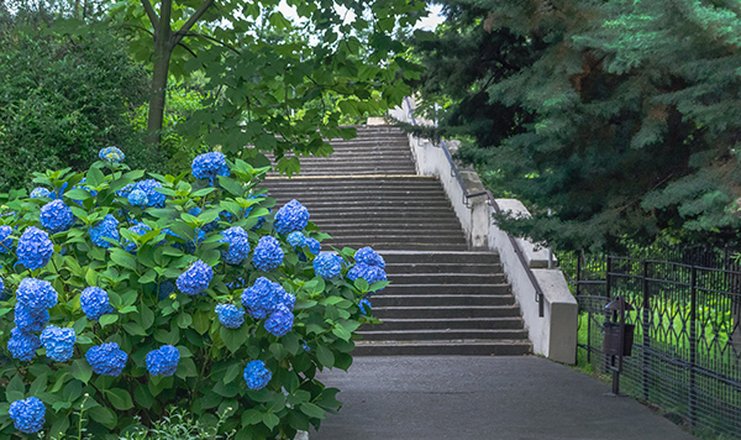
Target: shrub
x,y
187,297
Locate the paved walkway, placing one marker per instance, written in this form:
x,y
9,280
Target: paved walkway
x,y
482,398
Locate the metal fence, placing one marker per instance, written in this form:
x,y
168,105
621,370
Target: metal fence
x,y
687,343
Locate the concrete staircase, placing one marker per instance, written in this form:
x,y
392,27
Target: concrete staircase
x,y
444,298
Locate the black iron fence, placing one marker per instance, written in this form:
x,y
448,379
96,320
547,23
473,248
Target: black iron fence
x,y
686,315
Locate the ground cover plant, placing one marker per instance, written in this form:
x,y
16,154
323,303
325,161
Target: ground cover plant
x,y
126,293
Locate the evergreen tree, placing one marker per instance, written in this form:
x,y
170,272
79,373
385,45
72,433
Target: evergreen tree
x,y
620,116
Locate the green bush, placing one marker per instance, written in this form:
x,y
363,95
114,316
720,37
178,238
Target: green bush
x,y
137,265
62,97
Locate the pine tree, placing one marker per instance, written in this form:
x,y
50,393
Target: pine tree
x,y
622,115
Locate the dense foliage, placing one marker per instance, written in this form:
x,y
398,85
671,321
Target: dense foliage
x,y
281,84
622,117
62,96
126,293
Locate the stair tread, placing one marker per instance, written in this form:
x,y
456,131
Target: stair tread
x,y
445,342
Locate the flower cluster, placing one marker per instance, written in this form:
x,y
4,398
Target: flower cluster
x,y
105,230
365,306
256,375
296,239
34,248
163,361
230,316
328,265
111,154
280,322
107,359
293,216
59,343
36,295
369,266
149,188
269,299
28,415
313,245
268,254
56,216
137,229
22,345
209,165
195,279
238,241
6,241
40,193
95,303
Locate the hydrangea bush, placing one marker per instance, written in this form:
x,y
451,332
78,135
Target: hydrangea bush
x,y
124,293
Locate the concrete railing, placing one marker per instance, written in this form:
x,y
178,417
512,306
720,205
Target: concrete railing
x,y
548,308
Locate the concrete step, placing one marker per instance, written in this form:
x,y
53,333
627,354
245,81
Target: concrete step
x,y
461,347
446,312
401,238
392,229
499,323
384,246
389,300
340,199
448,289
448,278
444,334
371,204
387,224
441,257
436,268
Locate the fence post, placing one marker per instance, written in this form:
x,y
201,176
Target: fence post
x,y
646,327
608,293
692,397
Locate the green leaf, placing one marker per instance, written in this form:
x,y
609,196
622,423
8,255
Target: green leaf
x,y
123,259
325,356
107,319
234,339
15,389
81,371
232,372
119,398
270,420
312,410
104,416
251,417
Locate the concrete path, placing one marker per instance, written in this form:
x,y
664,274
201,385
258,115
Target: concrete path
x,y
482,398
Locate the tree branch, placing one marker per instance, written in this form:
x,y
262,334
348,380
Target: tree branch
x,y
215,40
189,50
151,14
192,21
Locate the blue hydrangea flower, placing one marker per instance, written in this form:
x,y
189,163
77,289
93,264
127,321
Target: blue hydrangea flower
x,y
59,343
367,255
209,165
264,297
149,187
167,287
280,322
256,375
365,306
41,193
328,265
238,245
36,295
23,346
107,359
111,154
313,245
371,274
56,216
195,279
293,216
138,229
30,321
230,316
28,415
268,254
34,248
296,239
95,303
137,197
125,191
105,229
163,361
236,284
81,186
6,241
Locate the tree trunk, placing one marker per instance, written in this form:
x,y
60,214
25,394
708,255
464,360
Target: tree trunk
x,y
158,94
163,45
